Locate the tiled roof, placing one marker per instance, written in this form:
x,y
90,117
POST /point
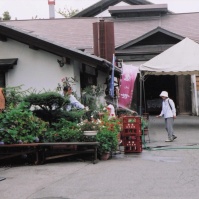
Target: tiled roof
x,y
138,8
36,41
102,5
78,32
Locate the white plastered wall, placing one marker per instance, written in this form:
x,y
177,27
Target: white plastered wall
x,y
35,69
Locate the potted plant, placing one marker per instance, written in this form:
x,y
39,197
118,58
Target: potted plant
x,y
108,136
108,143
89,127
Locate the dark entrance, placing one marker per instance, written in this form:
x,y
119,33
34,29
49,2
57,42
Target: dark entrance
x,y
153,85
178,87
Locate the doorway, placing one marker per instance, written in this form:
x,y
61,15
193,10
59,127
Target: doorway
x,y
178,87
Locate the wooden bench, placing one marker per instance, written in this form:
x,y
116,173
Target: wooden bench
x,y
14,150
60,149
48,151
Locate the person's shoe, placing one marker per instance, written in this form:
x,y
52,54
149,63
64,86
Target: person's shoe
x,y
169,140
174,137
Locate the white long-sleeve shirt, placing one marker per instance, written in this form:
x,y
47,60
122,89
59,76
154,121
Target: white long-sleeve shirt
x,y
74,103
168,111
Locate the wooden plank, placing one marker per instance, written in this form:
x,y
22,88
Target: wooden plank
x,y
16,154
69,143
69,154
49,144
19,145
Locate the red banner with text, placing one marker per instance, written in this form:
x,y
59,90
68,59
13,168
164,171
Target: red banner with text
x,y
129,74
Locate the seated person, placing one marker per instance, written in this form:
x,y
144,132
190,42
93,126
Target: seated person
x,y
73,101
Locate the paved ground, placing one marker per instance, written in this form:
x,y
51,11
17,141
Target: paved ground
x,y
167,170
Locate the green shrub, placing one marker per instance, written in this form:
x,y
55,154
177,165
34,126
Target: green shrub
x,y
47,100
108,134
108,141
64,131
47,105
13,96
50,107
19,124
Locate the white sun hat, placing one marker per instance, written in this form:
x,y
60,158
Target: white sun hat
x,y
164,94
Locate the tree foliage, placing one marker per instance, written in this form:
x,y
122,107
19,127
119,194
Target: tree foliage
x,y
67,13
47,100
6,16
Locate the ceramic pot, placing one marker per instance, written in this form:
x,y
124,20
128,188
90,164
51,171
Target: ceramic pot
x,y
105,156
90,133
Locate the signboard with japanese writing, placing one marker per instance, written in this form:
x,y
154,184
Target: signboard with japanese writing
x,y
129,74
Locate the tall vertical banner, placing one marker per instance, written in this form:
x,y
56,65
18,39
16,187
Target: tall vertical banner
x,y
112,77
129,74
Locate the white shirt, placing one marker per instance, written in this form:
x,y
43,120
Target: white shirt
x,y
74,103
111,110
168,111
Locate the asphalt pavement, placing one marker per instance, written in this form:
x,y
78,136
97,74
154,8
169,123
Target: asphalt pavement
x,y
163,170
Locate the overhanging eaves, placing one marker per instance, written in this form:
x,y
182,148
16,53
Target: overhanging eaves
x,y
148,34
6,64
102,5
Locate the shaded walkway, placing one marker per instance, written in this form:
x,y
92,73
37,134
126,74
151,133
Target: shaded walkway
x,y
158,174
186,128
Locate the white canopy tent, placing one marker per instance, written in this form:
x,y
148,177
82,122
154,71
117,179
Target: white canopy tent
x,y
180,59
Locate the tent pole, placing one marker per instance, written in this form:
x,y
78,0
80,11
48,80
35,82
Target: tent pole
x,y
140,108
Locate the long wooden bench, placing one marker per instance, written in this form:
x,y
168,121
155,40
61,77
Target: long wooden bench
x,y
48,151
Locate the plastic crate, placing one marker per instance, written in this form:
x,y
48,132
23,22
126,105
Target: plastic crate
x,y
132,144
133,149
133,131
131,120
131,125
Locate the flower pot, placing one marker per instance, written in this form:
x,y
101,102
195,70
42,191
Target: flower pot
x,y
105,156
90,133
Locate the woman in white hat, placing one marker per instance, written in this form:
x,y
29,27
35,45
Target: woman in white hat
x,y
169,113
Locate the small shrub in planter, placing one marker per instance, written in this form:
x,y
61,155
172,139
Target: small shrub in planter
x,y
108,141
89,126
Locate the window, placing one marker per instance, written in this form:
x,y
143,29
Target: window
x,y
88,76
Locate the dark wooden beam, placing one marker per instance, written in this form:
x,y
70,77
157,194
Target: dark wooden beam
x,y
33,47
